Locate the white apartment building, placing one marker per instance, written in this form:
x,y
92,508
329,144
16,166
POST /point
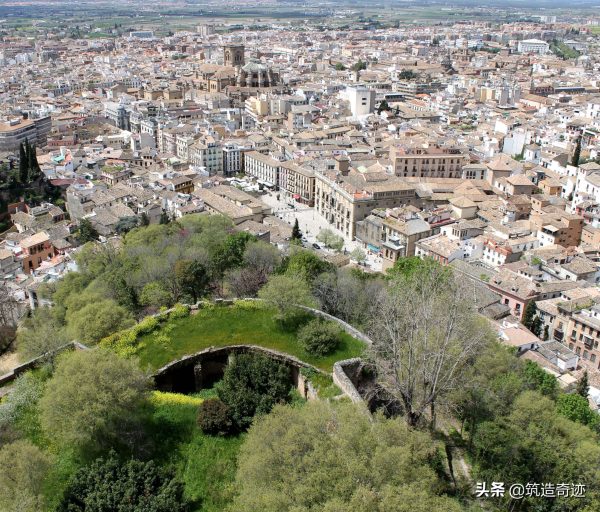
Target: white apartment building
x,y
362,100
533,46
262,167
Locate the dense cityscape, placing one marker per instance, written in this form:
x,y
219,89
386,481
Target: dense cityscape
x,y
298,257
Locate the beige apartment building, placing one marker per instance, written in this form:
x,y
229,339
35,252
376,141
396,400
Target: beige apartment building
x,y
574,320
433,161
262,167
345,197
297,182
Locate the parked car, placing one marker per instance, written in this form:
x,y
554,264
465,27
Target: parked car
x,y
316,246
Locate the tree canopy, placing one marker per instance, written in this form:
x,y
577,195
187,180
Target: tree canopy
x,y
335,458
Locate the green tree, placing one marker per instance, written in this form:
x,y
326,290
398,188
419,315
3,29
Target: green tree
x,y
583,385
340,67
40,333
86,232
252,384
536,326
91,398
358,255
296,233
154,295
97,320
576,408
306,264
23,164
344,459
164,218
577,152
144,219
192,277
286,293
529,315
537,379
33,168
318,337
359,66
24,469
131,486
383,106
407,74
126,224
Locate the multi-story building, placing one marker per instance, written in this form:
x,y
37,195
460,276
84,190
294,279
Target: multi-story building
x,y
262,167
433,161
344,196
362,100
297,182
533,46
207,153
232,159
574,320
18,130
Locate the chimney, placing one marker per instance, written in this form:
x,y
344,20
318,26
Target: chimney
x,y
342,165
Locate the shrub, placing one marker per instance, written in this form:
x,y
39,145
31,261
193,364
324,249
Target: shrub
x,y
253,384
319,337
179,311
133,486
214,418
158,398
146,326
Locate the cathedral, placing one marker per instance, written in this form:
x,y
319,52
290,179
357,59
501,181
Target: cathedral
x,y
235,72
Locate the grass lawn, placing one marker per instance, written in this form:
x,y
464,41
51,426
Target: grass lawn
x,y
234,325
205,464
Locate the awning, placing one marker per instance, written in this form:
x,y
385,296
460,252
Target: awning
x,y
296,196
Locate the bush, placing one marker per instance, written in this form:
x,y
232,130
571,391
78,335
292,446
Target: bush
x,y
214,418
179,311
131,486
253,384
319,338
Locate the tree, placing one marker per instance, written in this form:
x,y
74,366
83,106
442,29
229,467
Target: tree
x,y
33,168
144,219
24,469
306,264
407,74
330,239
154,295
91,399
296,233
214,417
252,384
529,314
359,66
97,320
425,332
318,337
340,67
343,459
358,255
536,326
286,293
576,408
577,152
131,486
164,218
23,164
126,224
87,232
383,106
537,379
40,333
259,262
192,277
583,386
532,444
